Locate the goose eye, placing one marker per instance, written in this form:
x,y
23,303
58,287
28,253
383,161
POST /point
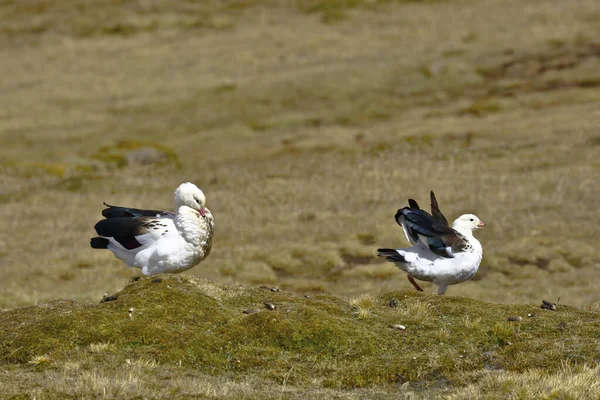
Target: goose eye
x,y
471,219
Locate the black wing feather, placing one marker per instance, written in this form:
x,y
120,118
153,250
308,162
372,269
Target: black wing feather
x,y
121,227
435,209
390,255
439,236
124,229
123,224
123,212
99,243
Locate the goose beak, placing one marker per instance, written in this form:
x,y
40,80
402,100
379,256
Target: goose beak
x,y
202,212
481,225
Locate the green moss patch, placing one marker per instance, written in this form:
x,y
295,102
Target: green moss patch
x,y
128,152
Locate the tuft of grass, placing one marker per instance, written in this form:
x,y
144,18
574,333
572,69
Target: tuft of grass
x,y
99,348
503,333
40,360
363,305
141,363
415,309
443,335
71,366
471,323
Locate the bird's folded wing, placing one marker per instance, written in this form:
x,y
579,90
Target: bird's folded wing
x,y
121,212
133,232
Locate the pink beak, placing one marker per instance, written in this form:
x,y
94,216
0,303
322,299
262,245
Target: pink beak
x,y
481,225
202,212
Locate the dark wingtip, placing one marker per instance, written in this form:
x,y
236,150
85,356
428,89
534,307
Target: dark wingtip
x,y
106,211
390,255
434,203
384,252
99,243
435,209
413,204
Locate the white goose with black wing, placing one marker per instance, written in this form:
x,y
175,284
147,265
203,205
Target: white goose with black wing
x,y
159,241
442,254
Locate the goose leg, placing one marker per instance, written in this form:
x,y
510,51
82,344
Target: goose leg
x,y
412,280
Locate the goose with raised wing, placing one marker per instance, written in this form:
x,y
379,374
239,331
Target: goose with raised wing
x,y
442,254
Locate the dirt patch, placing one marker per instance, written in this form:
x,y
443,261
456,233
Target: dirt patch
x,y
352,261
533,65
529,73
541,263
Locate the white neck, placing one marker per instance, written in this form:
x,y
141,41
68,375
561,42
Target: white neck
x,y
187,222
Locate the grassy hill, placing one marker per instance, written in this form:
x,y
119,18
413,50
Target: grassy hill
x,y
185,337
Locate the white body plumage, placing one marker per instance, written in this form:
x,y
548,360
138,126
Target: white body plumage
x,y
156,241
440,254
421,263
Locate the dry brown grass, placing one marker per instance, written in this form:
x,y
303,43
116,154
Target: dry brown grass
x,y
363,305
306,138
139,383
307,125
567,383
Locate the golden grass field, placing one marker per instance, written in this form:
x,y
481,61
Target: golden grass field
x,y
307,124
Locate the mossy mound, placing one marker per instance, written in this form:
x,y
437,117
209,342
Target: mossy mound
x,y
327,341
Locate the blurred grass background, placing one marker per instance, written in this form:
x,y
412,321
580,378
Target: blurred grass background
x,y
307,124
